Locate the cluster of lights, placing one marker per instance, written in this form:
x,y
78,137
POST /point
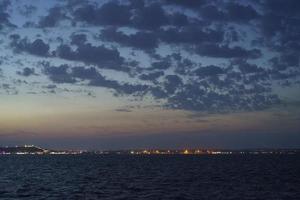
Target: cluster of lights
x,y
34,150
184,152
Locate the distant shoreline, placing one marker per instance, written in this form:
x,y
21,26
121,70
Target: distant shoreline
x,y
35,150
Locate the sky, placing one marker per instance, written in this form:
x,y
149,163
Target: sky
x,y
92,74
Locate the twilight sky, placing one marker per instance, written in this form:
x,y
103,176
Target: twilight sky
x,y
150,74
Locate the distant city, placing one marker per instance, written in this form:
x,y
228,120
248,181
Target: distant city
x,y
35,150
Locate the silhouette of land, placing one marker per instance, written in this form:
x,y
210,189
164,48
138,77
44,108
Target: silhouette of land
x,y
31,149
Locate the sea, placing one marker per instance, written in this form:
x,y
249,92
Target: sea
x,y
150,177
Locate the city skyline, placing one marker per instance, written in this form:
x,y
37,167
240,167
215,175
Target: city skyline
x,y
150,74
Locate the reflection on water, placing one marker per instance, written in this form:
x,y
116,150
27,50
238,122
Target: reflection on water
x,y
150,177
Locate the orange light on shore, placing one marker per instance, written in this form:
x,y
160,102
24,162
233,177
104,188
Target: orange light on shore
x,y
186,152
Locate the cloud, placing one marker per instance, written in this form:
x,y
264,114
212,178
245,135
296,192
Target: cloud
x,y
241,13
179,19
161,64
229,12
170,50
150,17
38,47
212,13
190,35
289,8
68,74
187,3
139,40
120,88
99,55
246,67
4,15
138,14
26,72
27,10
123,110
55,15
172,83
85,73
78,39
50,86
151,76
58,74
110,13
280,26
193,98
284,62
209,71
224,51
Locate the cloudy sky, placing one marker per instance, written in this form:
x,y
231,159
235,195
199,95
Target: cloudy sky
x,y
150,74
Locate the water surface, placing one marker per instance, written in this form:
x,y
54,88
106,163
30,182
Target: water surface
x,y
150,177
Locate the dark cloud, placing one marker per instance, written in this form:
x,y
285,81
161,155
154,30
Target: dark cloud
x,y
187,98
138,14
96,79
27,10
123,110
173,34
55,15
26,71
110,13
131,89
151,76
284,62
162,64
119,88
172,83
140,40
246,67
101,81
224,51
187,3
158,92
150,17
67,74
231,12
4,4
50,86
291,59
185,66
85,73
232,35
271,23
137,4
241,13
289,8
213,13
194,98
78,39
4,15
38,47
98,55
277,75
58,74
280,27
209,71
178,19
190,34
218,89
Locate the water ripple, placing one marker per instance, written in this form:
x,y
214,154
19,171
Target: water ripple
x,y
149,177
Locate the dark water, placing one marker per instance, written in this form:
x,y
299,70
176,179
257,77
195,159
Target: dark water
x,y
150,177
